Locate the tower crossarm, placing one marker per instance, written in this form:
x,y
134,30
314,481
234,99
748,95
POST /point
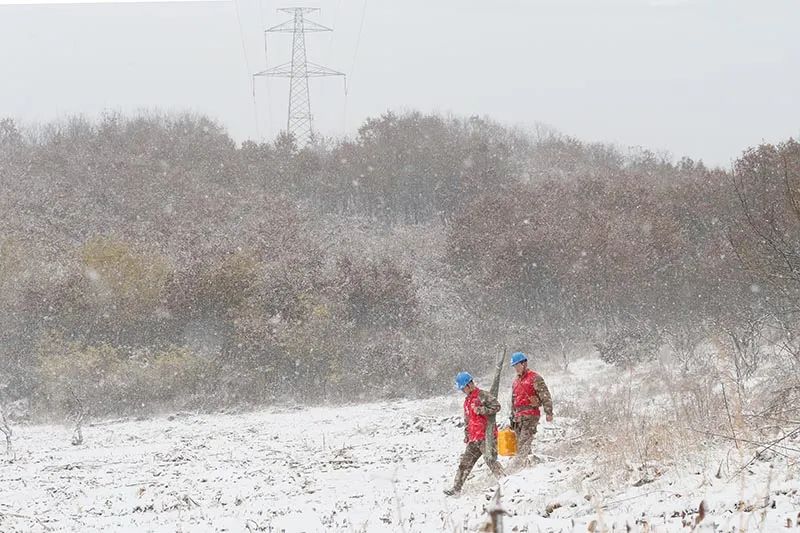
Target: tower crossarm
x,y
318,71
309,26
312,71
293,10
281,71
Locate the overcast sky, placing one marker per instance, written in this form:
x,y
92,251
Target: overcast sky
x,y
698,78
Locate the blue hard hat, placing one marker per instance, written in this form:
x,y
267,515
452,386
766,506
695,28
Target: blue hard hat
x,y
517,358
463,379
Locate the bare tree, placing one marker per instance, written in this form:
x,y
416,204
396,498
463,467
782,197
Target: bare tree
x,y
766,234
79,414
5,427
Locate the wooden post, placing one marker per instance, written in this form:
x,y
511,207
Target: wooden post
x,y
491,442
496,513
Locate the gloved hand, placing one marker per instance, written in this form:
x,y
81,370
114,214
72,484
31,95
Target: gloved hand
x,y
512,423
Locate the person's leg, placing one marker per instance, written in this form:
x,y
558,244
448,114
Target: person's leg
x,y
526,431
468,460
528,426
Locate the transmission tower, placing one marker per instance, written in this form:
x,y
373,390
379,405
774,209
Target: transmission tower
x,y
300,121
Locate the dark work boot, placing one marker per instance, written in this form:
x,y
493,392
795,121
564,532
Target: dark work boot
x,y
458,482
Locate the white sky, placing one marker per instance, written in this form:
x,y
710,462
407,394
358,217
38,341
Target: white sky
x,y
698,78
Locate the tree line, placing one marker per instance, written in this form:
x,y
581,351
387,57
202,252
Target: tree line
x,y
150,262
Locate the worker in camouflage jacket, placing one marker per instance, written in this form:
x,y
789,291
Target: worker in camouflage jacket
x,y
478,405
529,395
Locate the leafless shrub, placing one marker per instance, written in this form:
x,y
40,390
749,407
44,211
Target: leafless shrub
x,y
630,345
683,340
743,341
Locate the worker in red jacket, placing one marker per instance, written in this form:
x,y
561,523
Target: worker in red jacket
x,y
477,406
529,394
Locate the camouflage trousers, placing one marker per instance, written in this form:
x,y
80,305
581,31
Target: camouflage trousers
x,y
525,428
469,458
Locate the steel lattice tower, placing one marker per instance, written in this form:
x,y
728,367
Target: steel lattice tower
x,y
299,70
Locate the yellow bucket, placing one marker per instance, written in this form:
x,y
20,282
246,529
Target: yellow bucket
x,y
506,442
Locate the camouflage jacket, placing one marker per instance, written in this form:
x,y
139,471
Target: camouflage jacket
x,y
478,405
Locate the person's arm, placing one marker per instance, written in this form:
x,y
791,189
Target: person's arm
x,y
544,396
488,404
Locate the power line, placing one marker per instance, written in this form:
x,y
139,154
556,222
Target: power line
x,y
247,65
358,39
266,62
355,56
329,47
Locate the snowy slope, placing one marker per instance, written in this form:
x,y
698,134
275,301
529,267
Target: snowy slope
x,y
373,467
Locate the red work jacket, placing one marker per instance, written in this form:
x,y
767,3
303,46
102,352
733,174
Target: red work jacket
x,y
526,402
476,424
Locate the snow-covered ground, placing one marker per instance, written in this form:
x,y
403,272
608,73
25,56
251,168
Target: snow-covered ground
x,y
370,467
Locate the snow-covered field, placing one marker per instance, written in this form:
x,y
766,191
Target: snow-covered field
x,y
370,467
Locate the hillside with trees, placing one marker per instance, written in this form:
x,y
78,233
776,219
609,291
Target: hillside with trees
x,y
150,262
